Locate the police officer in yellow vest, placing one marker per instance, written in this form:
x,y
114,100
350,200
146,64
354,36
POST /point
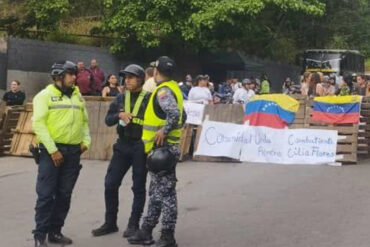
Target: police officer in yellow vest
x,y
163,120
127,112
60,123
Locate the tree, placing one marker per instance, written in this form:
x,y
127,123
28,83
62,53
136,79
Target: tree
x,y
198,24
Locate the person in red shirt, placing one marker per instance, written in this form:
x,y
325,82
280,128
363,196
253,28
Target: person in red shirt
x,y
99,77
85,80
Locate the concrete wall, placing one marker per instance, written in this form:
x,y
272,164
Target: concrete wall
x,y
31,82
3,62
29,61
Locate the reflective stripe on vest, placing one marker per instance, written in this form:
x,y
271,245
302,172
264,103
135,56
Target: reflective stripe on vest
x,y
137,105
153,123
64,107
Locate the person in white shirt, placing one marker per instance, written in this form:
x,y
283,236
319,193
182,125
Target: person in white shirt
x,y
245,93
149,84
201,93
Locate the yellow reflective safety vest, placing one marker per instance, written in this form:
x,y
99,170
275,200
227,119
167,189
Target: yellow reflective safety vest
x,y
153,123
58,119
135,111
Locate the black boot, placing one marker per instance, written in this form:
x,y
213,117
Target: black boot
x,y
130,230
104,229
58,238
40,242
167,239
142,237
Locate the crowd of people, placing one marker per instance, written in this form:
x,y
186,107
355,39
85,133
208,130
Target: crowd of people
x,y
318,84
202,90
93,82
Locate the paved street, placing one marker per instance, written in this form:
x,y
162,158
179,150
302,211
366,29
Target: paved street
x,y
219,205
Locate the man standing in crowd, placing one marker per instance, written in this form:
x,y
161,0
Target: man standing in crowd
x,y
15,96
244,94
98,75
150,84
85,80
186,86
163,121
60,123
127,112
226,88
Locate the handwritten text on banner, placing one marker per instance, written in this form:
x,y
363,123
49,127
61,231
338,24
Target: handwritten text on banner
x,y
267,145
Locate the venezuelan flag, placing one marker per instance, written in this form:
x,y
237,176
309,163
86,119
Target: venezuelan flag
x,y
271,110
337,109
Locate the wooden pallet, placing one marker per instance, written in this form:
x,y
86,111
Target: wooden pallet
x,y
347,136
185,140
9,124
363,149
300,116
23,135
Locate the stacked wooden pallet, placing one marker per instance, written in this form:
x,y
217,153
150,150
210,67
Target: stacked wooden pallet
x,y
348,136
363,149
23,135
19,131
300,116
8,125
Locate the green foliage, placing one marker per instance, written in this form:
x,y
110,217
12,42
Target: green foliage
x,y
197,24
278,29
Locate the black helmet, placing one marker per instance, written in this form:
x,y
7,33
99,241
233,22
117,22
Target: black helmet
x,y
59,68
161,160
135,70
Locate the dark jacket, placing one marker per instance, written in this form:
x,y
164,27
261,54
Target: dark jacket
x,y
131,132
14,98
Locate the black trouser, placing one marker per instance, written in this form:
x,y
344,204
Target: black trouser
x,y
54,188
125,155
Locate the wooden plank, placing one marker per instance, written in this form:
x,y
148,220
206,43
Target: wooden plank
x,y
185,141
343,148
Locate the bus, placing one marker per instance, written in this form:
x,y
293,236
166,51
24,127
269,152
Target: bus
x,y
334,62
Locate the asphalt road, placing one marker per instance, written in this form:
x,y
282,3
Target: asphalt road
x,y
219,205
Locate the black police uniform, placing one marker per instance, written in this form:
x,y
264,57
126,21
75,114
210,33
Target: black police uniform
x,y
54,189
127,151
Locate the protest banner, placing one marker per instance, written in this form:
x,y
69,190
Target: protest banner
x,y
194,112
289,146
220,140
268,145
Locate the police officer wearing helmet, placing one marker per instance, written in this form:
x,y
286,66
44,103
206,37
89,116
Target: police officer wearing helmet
x,y
60,123
163,121
127,112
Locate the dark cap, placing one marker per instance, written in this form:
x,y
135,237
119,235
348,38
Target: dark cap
x,y
165,65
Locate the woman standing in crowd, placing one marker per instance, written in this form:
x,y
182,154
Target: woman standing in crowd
x,y
201,93
305,84
111,89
